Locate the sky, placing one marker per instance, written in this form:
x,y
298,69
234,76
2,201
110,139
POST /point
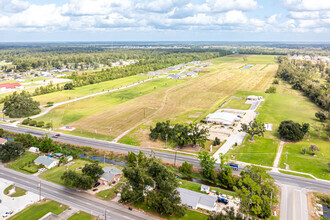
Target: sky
x,y
164,20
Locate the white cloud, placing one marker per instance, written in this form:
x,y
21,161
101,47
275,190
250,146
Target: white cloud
x,y
307,5
235,17
227,5
13,6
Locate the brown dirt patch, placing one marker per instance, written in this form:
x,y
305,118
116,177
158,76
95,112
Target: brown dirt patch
x,y
190,148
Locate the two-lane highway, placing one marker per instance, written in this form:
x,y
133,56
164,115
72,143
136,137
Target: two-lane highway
x,y
73,198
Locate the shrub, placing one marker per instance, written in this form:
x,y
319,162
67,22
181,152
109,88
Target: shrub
x,y
303,150
50,103
48,125
216,141
26,121
271,89
275,81
32,123
40,124
313,148
321,116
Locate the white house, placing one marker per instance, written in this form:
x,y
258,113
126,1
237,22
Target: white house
x,y
69,158
48,162
222,118
196,200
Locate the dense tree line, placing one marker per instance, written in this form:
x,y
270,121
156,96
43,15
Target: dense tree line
x,y
300,77
180,134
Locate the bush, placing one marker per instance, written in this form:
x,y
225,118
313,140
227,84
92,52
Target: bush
x,y
303,150
216,141
275,81
186,168
33,123
271,89
50,103
321,116
313,148
68,86
40,124
48,125
26,121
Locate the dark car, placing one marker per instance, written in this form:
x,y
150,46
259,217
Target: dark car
x,y
223,200
96,184
129,208
56,135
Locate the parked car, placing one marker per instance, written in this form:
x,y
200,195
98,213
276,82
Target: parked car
x,y
233,166
223,200
223,196
96,184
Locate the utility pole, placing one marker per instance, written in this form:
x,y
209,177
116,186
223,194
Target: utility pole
x,y
166,141
175,157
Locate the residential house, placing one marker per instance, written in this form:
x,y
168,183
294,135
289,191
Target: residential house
x,y
191,74
69,158
254,98
10,86
3,141
110,174
197,200
48,162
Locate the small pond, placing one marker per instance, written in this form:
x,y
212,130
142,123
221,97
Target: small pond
x,y
326,212
247,67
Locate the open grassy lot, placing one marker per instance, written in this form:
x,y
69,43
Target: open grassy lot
x,y
197,187
262,151
237,104
190,214
76,111
54,174
109,194
89,89
36,211
18,191
20,166
315,165
82,216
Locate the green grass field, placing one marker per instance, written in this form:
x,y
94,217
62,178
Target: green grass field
x,y
54,174
109,194
20,162
75,111
315,165
261,152
82,216
89,89
250,59
237,104
18,191
36,211
197,187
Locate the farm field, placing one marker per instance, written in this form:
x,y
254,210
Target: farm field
x,y
248,59
193,100
237,104
89,89
72,113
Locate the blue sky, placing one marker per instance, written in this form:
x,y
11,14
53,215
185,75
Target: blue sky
x,y
164,20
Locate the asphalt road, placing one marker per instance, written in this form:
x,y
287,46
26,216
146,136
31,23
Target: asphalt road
x,y
293,196
70,197
317,185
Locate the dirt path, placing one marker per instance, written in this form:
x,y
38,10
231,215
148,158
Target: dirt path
x,y
278,156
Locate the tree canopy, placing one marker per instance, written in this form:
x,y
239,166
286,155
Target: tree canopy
x,y
253,128
292,131
10,151
19,105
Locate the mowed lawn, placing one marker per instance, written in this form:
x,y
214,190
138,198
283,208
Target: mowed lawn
x,y
237,104
262,151
37,211
82,216
66,95
75,111
315,165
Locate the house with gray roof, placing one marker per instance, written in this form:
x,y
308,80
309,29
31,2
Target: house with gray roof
x,y
48,162
110,174
196,200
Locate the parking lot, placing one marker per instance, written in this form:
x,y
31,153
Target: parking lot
x,y
14,204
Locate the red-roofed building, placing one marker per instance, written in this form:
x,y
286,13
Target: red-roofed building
x,y
10,86
3,141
